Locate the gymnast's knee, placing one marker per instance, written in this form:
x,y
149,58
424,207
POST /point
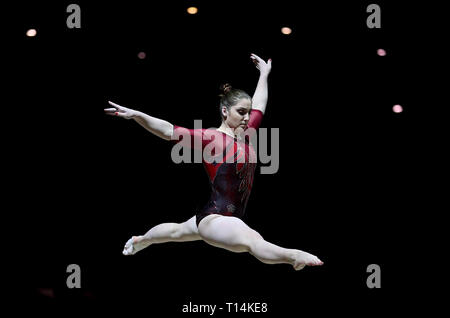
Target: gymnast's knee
x,y
248,242
182,229
177,231
253,241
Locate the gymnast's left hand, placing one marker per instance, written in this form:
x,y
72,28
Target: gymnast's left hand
x,y
263,67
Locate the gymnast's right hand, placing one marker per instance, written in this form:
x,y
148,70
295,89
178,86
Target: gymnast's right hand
x,y
120,111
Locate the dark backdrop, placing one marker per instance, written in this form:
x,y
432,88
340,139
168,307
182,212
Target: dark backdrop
x,y
87,182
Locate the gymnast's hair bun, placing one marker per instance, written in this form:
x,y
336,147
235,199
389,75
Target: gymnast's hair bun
x,y
225,88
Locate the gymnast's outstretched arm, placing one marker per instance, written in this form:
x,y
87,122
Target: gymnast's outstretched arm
x,y
259,99
156,126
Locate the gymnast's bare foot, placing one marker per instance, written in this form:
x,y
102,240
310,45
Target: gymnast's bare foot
x,y
134,245
302,259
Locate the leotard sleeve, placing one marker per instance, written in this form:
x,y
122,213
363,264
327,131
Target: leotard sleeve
x,y
256,117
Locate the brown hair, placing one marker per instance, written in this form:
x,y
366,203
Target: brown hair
x,y
231,96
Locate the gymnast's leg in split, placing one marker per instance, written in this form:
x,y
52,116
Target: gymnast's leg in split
x,y
232,234
162,233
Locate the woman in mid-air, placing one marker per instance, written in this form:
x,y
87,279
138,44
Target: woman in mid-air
x,y
220,223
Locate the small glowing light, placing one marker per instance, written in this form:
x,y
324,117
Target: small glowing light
x,y
31,32
47,292
192,10
141,55
397,109
381,52
286,30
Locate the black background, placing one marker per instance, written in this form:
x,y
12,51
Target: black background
x,y
84,182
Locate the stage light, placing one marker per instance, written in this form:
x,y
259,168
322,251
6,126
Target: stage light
x,y
31,32
381,52
397,109
192,10
141,55
286,30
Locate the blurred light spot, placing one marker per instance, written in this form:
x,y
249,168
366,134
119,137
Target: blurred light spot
x,y
192,10
397,109
286,30
31,32
381,52
142,55
47,292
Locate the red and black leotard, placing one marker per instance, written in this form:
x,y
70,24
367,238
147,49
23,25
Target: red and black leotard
x,y
231,175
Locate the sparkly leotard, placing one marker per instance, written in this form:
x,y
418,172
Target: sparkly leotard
x,y
230,169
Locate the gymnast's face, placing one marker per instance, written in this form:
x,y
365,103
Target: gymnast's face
x,y
237,116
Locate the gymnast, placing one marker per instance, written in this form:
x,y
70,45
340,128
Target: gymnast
x,y
230,171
